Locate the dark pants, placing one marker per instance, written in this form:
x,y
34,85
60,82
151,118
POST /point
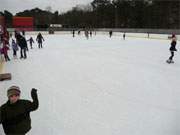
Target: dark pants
x,y
27,48
23,53
172,55
40,44
31,45
14,53
6,57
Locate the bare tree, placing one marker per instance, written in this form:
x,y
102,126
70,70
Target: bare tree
x,y
48,8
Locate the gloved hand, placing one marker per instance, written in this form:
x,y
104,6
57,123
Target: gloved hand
x,y
34,90
34,93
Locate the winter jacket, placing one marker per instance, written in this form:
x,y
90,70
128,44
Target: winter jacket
x,y
14,46
31,40
4,50
173,46
22,42
39,38
15,118
6,42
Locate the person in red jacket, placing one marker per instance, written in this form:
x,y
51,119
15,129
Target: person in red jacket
x,y
4,51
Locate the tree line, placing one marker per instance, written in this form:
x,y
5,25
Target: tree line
x,y
109,14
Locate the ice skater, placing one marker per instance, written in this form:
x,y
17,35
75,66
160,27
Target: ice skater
x,y
39,39
73,32
15,113
148,34
110,33
31,41
23,46
172,49
86,32
23,33
90,33
4,51
15,48
124,36
79,32
6,41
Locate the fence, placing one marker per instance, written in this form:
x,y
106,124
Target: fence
x,y
138,33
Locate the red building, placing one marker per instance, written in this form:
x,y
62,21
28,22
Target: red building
x,y
2,23
23,23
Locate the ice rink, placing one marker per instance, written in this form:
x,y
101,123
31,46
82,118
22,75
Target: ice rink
x,y
100,86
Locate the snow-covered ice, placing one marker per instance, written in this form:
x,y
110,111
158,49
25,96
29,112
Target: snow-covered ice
x,y
100,86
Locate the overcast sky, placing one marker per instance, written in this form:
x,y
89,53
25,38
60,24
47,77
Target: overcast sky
x,y
15,6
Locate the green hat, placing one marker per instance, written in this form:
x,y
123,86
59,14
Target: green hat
x,y
13,90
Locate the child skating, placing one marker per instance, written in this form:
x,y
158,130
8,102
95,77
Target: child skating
x,y
31,41
172,49
15,48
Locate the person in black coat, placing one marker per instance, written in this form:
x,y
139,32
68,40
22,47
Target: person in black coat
x,y
15,113
172,48
110,33
90,33
23,33
23,46
39,39
124,36
73,32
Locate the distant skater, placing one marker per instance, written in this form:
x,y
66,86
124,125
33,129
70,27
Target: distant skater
x,y
79,32
31,41
110,33
15,48
39,39
86,32
172,49
90,33
124,36
73,32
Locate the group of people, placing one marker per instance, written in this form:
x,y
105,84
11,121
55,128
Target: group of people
x,y
172,48
111,33
15,113
87,33
18,42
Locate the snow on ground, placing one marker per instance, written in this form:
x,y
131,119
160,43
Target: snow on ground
x,y
100,86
